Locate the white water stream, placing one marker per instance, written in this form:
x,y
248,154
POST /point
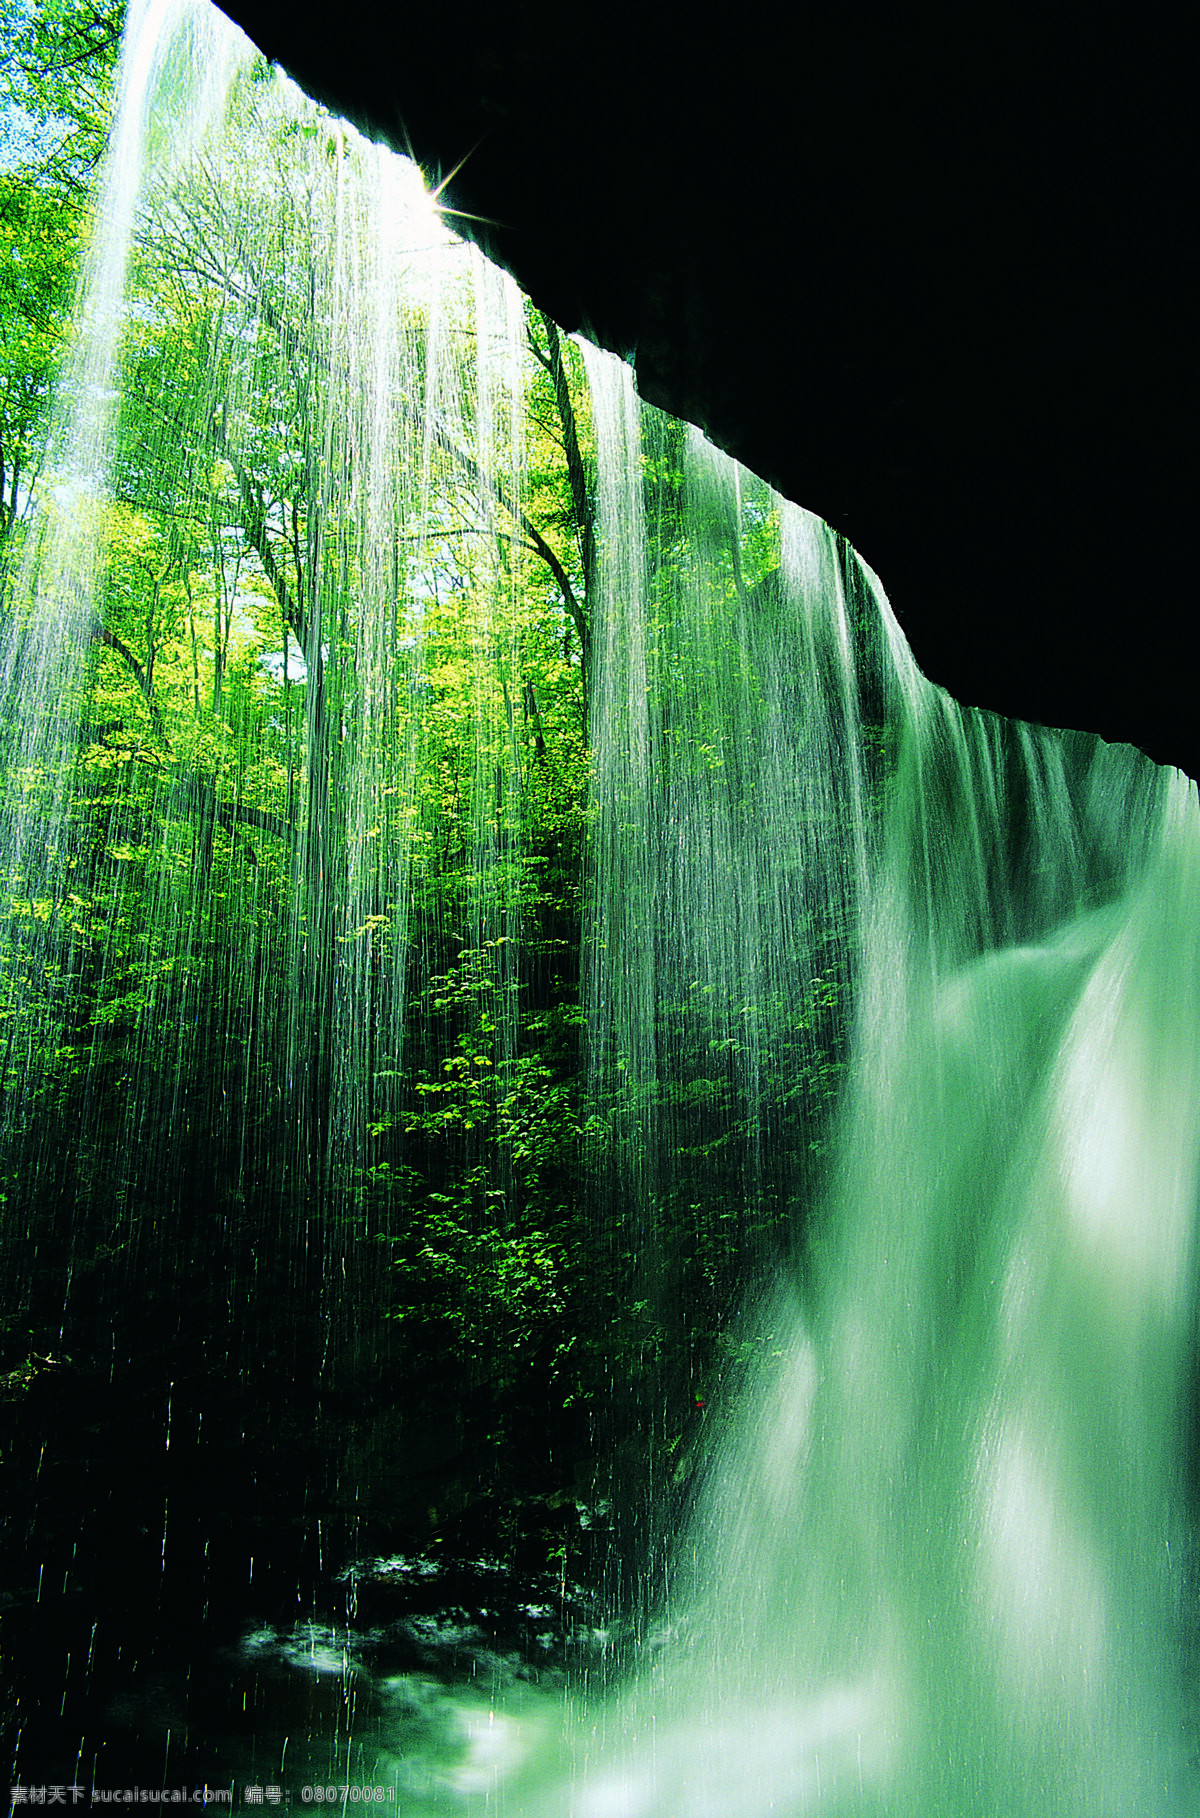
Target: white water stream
x,y
941,1563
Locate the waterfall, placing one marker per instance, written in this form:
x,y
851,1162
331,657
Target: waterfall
x,y
940,1559
312,718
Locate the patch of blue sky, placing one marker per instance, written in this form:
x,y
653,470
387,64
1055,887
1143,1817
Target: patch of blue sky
x,y
23,140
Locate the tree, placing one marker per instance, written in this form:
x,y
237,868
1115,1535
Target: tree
x,y
57,60
56,67
296,921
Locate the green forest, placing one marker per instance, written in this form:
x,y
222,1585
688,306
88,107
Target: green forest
x,y
328,916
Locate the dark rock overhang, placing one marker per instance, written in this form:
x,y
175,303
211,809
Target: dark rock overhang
x,y
926,277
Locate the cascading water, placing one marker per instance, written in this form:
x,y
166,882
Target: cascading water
x,y
893,1041
940,1560
940,1563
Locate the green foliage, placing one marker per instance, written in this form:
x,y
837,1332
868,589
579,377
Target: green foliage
x,y
299,963
58,59
56,65
39,250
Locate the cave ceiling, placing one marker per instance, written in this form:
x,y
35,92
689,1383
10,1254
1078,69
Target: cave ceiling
x,y
924,277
